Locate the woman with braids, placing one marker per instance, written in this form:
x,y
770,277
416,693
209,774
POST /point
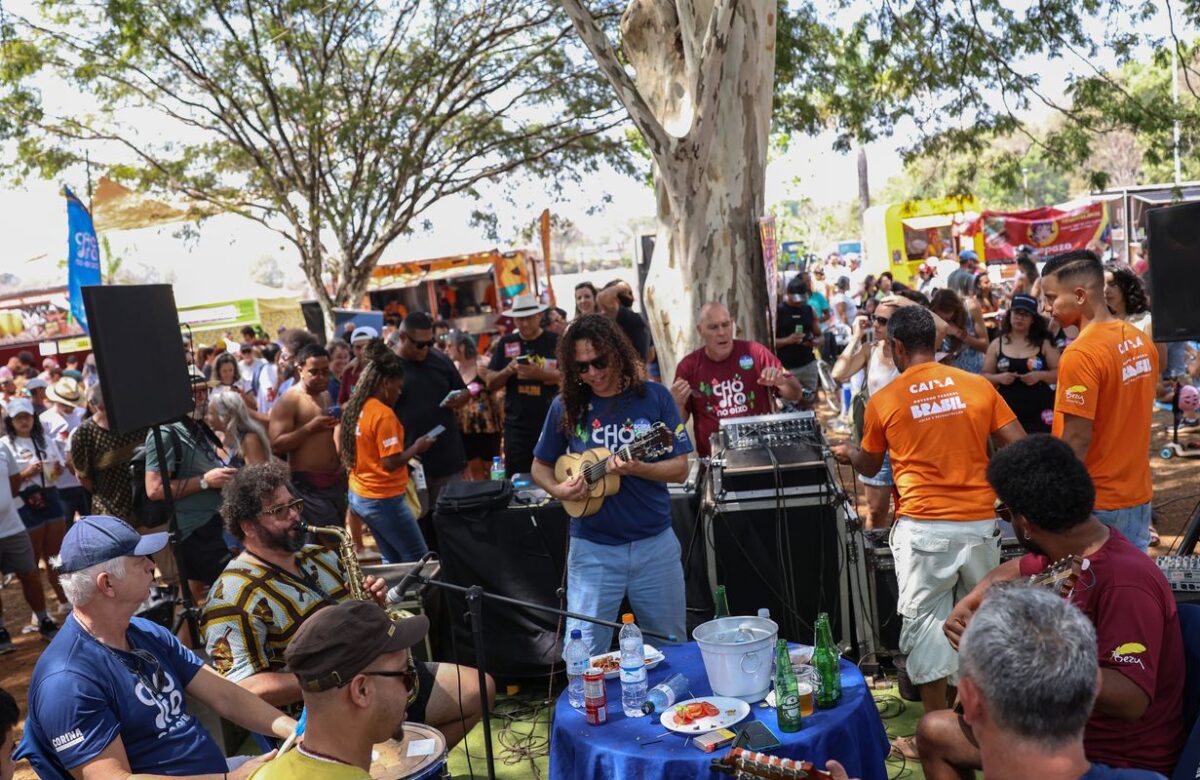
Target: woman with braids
x,y
371,442
627,548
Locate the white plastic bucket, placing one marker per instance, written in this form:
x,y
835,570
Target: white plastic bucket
x,y
738,669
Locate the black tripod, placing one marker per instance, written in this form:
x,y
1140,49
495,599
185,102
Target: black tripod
x,y
190,613
475,596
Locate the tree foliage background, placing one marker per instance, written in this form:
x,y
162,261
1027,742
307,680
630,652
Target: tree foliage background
x,y
336,123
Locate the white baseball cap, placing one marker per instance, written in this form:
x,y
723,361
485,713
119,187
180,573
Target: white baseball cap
x,y
363,333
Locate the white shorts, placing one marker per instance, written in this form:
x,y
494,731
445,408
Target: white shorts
x,y
937,563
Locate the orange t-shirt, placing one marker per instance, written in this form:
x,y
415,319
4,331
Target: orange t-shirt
x,y
1108,375
379,435
935,420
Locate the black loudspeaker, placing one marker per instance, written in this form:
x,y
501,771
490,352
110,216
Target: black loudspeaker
x,y
518,553
1174,234
787,560
134,331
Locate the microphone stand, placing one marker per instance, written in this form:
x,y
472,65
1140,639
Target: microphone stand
x,y
475,596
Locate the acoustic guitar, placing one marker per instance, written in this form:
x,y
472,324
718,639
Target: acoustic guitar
x,y
593,465
1060,578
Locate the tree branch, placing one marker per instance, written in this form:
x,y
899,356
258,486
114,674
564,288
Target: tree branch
x,y
660,143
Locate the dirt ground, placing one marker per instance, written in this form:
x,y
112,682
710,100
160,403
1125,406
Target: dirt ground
x,y
1176,495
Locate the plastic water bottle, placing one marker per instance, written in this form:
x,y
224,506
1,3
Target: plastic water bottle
x,y
576,657
665,694
633,668
498,468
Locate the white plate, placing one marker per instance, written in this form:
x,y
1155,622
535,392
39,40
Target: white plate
x,y
722,719
654,657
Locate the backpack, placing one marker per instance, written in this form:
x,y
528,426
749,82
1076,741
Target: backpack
x,y
474,500
148,513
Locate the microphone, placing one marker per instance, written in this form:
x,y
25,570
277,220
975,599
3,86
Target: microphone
x,y
396,594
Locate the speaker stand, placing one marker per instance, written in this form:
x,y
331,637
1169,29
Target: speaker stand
x,y
190,613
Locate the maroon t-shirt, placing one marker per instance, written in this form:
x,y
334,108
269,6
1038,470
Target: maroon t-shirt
x,y
1137,629
349,380
726,388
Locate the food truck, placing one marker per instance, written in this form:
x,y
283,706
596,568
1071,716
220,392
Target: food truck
x,y
898,237
468,291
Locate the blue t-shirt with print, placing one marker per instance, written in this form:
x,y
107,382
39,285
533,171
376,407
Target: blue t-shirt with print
x,y
641,508
83,695
1105,772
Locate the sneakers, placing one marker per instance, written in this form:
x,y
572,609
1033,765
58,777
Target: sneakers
x,y
6,645
48,628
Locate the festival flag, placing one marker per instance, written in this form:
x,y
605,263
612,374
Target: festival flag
x,y
1050,230
83,256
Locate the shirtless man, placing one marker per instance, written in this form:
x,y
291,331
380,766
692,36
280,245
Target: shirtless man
x,y
301,431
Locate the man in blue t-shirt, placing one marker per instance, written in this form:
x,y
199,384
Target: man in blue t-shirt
x,y
107,696
627,547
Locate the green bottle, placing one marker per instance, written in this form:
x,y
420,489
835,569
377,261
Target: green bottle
x,y
721,603
826,661
787,692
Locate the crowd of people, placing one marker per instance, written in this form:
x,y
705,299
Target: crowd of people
x,y
959,386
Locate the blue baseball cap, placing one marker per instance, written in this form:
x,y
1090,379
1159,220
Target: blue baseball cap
x,y
99,538
968,254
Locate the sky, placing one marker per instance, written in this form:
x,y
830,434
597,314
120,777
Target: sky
x,y
33,217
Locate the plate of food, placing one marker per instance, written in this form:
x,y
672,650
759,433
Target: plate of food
x,y
705,714
610,663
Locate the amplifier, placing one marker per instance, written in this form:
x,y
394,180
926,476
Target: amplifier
x,y
1182,572
739,433
771,458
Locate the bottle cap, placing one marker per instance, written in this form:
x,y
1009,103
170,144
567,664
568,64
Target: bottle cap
x,y
576,633
627,618
648,707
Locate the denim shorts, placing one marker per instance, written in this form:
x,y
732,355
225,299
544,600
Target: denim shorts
x,y
1132,521
884,477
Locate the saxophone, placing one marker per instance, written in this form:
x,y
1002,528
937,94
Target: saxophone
x,y
349,561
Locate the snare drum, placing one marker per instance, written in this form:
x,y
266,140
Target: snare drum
x,y
420,756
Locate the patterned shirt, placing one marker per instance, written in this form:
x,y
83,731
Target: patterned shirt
x,y
103,457
252,611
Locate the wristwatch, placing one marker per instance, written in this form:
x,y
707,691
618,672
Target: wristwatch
x,y
203,483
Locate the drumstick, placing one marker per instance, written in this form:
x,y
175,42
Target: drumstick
x,y
296,733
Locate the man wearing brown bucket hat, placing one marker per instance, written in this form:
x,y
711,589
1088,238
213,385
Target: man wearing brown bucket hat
x,y
354,667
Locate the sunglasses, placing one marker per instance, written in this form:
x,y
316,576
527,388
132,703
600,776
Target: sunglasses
x,y
158,679
283,509
408,677
422,344
880,320
599,364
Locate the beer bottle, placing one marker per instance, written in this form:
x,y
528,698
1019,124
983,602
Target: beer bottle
x,y
827,662
720,603
787,695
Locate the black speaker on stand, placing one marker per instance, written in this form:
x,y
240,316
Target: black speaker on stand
x,y
134,330
1174,236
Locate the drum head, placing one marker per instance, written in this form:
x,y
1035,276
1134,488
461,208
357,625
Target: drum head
x,y
412,758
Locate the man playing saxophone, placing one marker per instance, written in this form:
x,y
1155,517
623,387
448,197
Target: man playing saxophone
x,y
265,594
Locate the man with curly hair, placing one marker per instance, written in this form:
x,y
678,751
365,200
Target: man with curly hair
x,y
1136,717
278,582
1107,379
627,548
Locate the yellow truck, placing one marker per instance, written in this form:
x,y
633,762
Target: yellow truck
x,y
898,237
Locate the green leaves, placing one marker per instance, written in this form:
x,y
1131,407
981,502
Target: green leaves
x,y
334,123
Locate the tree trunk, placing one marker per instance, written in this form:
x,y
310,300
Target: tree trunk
x,y
864,186
710,189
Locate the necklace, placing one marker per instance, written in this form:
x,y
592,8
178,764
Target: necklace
x,y
320,756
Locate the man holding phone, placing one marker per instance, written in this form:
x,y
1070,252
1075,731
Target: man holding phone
x,y
429,378
525,364
301,430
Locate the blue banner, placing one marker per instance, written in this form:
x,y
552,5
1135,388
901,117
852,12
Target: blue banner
x,y
83,256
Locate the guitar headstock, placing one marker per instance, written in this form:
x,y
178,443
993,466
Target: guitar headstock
x,y
653,443
1061,576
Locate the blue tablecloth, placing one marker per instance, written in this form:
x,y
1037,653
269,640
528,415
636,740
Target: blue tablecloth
x,y
852,733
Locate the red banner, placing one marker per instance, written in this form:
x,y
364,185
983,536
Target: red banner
x,y
1050,230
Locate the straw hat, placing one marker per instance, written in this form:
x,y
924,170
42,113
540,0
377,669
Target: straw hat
x,y
66,391
525,305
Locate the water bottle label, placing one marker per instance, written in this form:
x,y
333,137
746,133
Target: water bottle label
x,y
578,667
630,674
